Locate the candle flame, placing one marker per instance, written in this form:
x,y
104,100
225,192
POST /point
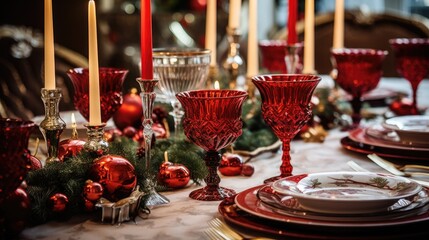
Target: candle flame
x,y
74,126
165,156
216,85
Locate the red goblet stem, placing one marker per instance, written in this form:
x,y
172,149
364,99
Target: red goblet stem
x,y
414,86
286,167
212,159
356,106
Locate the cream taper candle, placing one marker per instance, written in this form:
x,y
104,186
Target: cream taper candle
x,y
94,83
210,40
252,39
338,37
309,38
49,66
234,13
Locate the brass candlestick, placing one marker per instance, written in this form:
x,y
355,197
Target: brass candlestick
x,y
148,95
96,142
52,125
234,64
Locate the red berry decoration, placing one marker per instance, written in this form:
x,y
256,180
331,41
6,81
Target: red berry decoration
x,y
131,112
129,132
89,206
92,190
231,164
116,174
58,202
173,175
14,213
247,170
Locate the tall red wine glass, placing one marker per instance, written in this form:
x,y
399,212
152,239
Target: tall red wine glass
x,y
412,62
212,121
286,108
358,71
111,80
14,164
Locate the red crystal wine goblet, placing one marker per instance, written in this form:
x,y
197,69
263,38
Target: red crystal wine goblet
x,y
212,121
111,80
412,62
286,108
358,71
14,163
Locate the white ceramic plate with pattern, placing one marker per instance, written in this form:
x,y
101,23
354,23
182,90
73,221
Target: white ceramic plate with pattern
x,y
346,192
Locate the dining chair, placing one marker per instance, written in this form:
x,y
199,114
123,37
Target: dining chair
x,y
21,72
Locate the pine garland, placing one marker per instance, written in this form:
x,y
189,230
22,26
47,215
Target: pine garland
x,y
69,177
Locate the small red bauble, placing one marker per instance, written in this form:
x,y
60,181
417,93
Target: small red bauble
x,y
231,164
89,206
58,202
129,132
92,190
402,107
130,113
247,170
159,130
69,148
173,175
116,174
14,213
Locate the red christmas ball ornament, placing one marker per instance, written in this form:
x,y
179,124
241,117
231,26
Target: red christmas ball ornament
x,y
231,164
116,174
14,213
69,148
173,175
92,190
402,107
247,170
159,130
58,202
198,5
131,112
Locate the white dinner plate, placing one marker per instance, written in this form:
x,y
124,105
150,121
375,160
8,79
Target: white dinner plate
x,y
346,192
410,129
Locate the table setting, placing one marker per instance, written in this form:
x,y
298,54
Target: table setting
x,y
251,155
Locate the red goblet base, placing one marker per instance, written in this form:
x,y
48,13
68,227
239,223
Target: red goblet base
x,y
210,193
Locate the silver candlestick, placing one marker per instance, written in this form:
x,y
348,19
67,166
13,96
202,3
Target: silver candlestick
x,y
52,126
293,58
96,142
148,95
234,64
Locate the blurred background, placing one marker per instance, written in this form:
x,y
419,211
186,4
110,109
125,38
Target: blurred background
x,y
182,23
